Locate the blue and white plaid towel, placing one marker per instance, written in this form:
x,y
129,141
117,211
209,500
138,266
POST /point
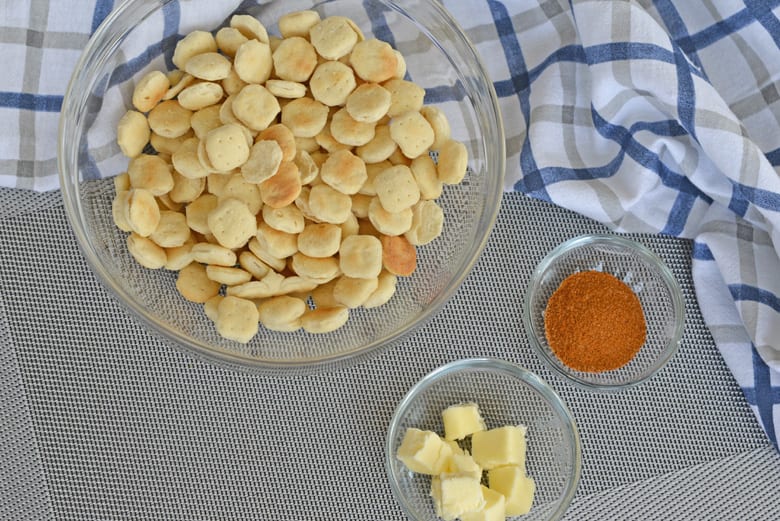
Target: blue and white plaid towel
x,y
658,116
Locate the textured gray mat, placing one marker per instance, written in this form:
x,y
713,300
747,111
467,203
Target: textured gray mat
x,y
108,423
742,487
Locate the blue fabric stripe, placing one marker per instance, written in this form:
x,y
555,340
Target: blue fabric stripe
x,y
444,93
594,55
738,205
534,182
678,214
763,13
26,101
569,53
722,29
748,293
676,26
774,157
171,19
765,397
756,196
520,82
102,8
772,392
702,252
629,145
378,22
602,53
686,93
608,52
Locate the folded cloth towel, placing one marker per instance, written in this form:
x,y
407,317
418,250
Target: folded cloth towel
x,y
659,116
664,117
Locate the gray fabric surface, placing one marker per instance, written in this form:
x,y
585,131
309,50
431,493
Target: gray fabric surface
x,y
113,424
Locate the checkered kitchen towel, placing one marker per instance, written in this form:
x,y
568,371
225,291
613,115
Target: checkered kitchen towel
x,y
657,116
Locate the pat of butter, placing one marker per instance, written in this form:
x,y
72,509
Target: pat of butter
x,y
494,509
461,420
499,447
456,449
463,464
515,486
424,452
454,495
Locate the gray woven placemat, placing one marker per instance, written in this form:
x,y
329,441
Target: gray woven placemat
x,y
118,425
742,487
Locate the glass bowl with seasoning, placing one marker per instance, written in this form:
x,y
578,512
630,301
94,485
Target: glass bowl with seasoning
x,y
476,430
604,311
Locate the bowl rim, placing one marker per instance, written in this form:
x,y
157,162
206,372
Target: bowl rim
x,y
645,253
103,43
509,369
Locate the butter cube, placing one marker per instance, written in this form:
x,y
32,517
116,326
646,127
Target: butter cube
x,y
494,509
424,452
461,420
456,449
454,495
499,447
517,488
463,463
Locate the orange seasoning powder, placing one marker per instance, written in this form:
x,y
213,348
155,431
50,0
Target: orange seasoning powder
x,y
594,322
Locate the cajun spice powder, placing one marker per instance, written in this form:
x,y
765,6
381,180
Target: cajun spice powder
x,y
594,322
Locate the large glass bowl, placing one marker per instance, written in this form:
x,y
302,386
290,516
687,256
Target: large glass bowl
x,y
140,35
506,394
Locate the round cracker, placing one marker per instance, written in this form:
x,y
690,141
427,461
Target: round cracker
x,y
453,162
396,188
226,147
132,133
298,23
333,37
145,252
286,89
169,119
255,107
350,132
149,90
194,43
194,285
150,172
368,103
305,117
283,187
200,95
332,82
374,60
360,256
294,59
399,256
253,62
344,171
264,160
232,223
413,134
329,205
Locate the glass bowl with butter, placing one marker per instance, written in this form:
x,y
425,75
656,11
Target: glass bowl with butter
x,y
482,437
596,279
140,37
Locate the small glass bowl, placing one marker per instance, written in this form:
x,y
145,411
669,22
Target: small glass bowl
x,y
506,395
644,272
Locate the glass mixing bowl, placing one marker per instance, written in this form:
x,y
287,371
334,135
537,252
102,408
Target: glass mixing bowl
x,y
140,35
